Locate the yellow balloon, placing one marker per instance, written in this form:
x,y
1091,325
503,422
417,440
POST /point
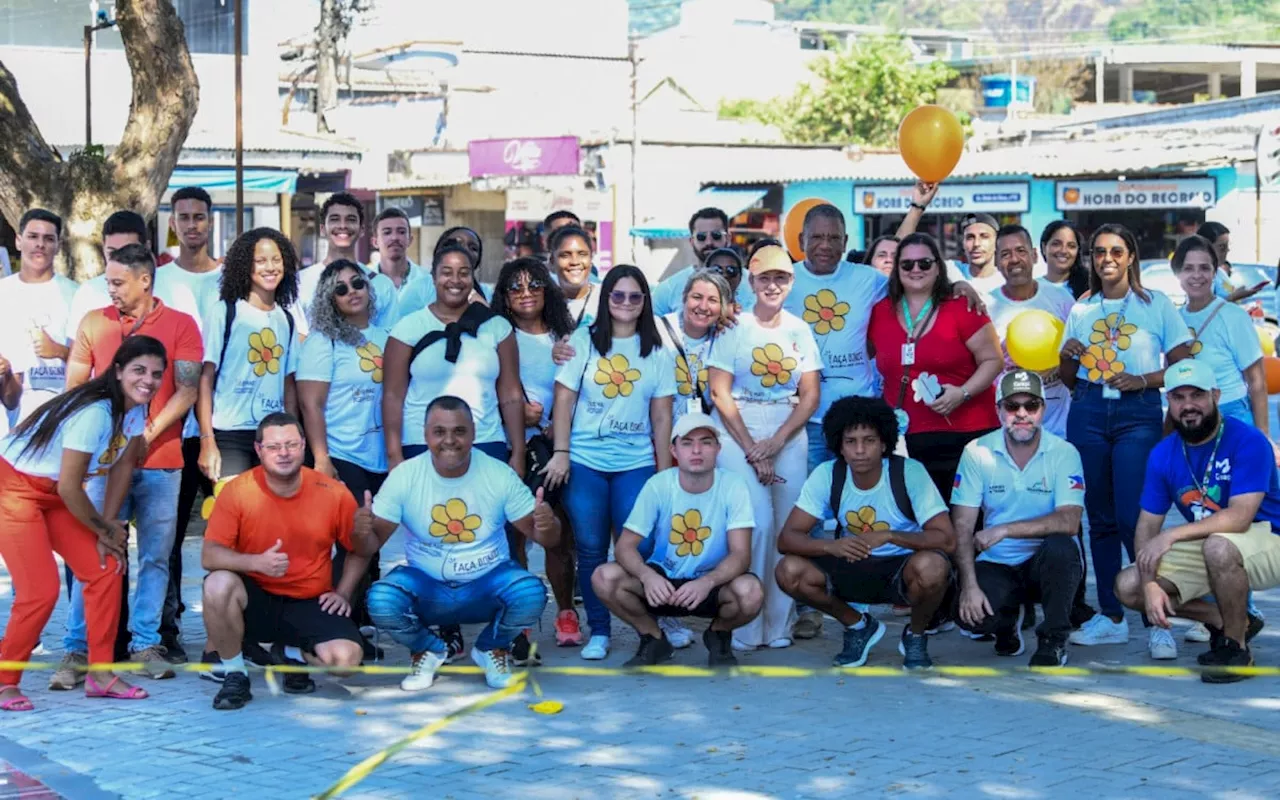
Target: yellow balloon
x,y
794,221
1034,339
1268,344
931,140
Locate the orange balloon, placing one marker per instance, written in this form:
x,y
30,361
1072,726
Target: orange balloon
x,y
930,140
1271,367
793,222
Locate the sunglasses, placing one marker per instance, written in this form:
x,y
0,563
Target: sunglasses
x,y
727,270
715,236
921,264
356,285
532,287
1031,406
619,298
1117,253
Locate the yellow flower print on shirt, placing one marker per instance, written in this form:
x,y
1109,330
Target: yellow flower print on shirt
x,y
825,312
688,533
1101,363
1114,331
371,360
1196,344
768,362
452,524
864,521
684,384
264,352
616,376
109,456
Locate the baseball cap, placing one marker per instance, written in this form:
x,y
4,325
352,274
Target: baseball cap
x,y
976,219
1020,381
771,259
1189,372
692,422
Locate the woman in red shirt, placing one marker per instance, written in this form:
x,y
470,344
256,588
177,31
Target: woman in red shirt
x,y
939,360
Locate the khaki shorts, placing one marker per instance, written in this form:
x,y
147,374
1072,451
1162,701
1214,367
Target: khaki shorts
x,y
1183,565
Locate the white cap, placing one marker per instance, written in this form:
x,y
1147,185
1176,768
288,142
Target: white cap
x,y
692,422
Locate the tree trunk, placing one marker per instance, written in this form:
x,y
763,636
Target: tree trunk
x,y
328,36
88,187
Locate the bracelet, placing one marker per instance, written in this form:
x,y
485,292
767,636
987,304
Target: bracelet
x,y
917,205
1145,385
206,436
559,451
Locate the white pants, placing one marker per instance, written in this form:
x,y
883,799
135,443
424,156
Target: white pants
x,y
770,505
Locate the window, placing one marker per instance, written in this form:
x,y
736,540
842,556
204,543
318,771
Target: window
x,y
210,24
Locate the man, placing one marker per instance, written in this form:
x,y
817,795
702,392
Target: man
x,y
698,521
342,224
978,239
558,219
708,231
1220,474
453,502
392,235
898,537
191,221
151,499
267,549
1027,484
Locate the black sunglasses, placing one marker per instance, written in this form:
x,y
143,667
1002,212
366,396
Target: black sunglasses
x,y
1032,406
913,264
727,270
356,285
715,236
532,287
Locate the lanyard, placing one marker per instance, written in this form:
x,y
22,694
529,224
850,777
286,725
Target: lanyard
x,y
917,322
1120,317
1208,467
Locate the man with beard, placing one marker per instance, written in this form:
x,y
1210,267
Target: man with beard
x,y
1220,474
708,232
1027,483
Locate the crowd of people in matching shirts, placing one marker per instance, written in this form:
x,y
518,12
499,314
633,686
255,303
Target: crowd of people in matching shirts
x,y
764,443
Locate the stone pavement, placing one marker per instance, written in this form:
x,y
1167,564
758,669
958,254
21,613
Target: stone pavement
x,y
822,737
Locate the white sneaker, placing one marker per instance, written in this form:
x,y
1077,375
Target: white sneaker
x,y
496,665
1161,644
1101,630
780,643
1197,633
425,667
679,636
596,649
742,647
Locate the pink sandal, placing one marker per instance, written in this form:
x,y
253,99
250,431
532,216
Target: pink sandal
x,y
92,689
17,703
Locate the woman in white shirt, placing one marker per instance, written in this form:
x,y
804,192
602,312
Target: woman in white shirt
x,y
422,292
690,333
94,429
764,375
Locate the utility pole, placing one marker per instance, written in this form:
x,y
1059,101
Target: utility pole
x,y
635,137
103,22
239,54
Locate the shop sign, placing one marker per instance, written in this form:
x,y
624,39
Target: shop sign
x,y
422,210
1129,195
552,156
957,198
534,204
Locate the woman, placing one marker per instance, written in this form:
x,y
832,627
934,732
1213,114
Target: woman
x,y
572,252
96,428
690,334
764,375
421,293
250,349
1219,236
604,445
1061,246
938,360
533,304
1116,346
881,254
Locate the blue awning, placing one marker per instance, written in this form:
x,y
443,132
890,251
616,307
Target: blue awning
x,y
214,179
675,225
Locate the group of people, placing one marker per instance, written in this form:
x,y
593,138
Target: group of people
x,y
763,442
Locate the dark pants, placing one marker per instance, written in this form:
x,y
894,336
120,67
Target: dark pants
x,y
940,453
358,480
1050,577
194,484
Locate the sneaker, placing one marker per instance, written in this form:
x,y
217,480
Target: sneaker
x,y
809,626
676,633
901,611
1228,654
1009,641
496,665
941,627
423,668
743,647
653,650
1050,653
914,650
1101,630
153,662
40,650
858,643
256,654
781,643
174,652
67,677
1161,644
719,646
1080,614
568,630
1028,619
294,682
523,653
597,649
213,673
1197,633
234,692
452,636
977,637
1217,638
1256,624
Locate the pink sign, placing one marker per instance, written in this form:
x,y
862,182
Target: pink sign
x,y
558,156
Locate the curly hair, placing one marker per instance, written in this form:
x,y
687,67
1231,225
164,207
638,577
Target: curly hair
x,y
860,412
324,313
555,310
237,267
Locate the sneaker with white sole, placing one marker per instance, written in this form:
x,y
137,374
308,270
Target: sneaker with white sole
x,y
1009,640
596,649
1197,633
677,634
496,665
424,667
1101,630
1161,644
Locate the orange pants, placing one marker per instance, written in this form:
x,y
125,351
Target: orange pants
x,y
34,524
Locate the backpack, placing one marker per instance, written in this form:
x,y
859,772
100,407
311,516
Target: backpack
x,y
226,336
897,484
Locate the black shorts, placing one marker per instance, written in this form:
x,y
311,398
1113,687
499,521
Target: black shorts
x,y
301,623
707,609
873,580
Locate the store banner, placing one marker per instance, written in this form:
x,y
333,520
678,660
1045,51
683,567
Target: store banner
x,y
1128,195
533,204
952,198
556,156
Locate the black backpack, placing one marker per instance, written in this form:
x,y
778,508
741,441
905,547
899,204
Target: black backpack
x,y
226,336
897,484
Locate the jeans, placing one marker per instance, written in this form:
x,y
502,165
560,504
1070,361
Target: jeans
x,y
1115,438
152,503
407,601
1050,576
818,452
193,482
596,501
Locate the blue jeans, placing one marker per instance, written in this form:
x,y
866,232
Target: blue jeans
x,y
818,452
1115,438
152,504
596,501
408,600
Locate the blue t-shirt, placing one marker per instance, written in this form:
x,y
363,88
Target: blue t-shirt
x,y
1244,464
690,532
668,295
259,356
1228,342
353,410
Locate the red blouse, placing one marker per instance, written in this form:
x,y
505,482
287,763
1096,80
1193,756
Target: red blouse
x,y
941,352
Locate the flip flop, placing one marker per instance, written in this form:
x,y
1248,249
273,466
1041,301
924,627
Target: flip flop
x,y
17,703
92,689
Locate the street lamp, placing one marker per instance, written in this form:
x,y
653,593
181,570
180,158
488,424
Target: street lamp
x,y
103,22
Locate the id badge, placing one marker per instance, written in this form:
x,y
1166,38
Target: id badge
x,y
908,354
693,405
1110,393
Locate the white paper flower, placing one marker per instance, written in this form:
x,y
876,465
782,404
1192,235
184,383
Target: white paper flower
x,y
926,388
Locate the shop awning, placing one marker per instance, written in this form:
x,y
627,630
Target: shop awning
x,y
675,225
214,179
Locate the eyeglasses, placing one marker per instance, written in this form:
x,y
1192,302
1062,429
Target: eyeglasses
x,y
619,298
715,236
921,264
778,278
285,447
532,287
1031,406
1117,253
356,285
727,270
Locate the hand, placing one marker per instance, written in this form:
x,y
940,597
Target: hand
x,y
1252,290
562,352
1127,382
987,539
764,450
46,347
1073,349
974,606
850,548
1159,606
949,400
516,462
873,539
105,550
729,316
115,535
1151,553
765,473
532,414
273,562
325,467
544,519
336,604
923,193
364,517
657,589
971,296
692,594
556,471
210,460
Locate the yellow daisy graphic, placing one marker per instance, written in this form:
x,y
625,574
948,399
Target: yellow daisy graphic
x,y
616,376
206,508
1113,330
453,524
824,312
688,532
1196,345
109,456
769,364
684,384
264,352
1101,363
371,360
864,521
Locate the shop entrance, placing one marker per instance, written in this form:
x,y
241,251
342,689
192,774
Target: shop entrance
x,y
1158,231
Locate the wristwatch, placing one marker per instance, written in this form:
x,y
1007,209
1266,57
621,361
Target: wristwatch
x,y
965,392
917,205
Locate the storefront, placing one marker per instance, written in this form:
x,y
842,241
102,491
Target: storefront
x,y
1159,211
528,207
882,208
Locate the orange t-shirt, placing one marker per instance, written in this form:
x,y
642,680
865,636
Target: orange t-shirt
x,y
100,336
248,518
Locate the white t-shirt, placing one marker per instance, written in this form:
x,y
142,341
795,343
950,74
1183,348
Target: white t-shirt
x,y
766,362
837,308
989,479
260,354
691,379
454,526
668,295
89,431
1229,344
583,310
874,509
474,377
959,271
386,297
24,307
1057,301
611,426
353,409
537,373
170,286
204,286
421,292
1125,334
690,531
